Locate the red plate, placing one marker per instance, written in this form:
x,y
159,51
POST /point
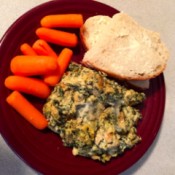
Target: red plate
x,y
44,151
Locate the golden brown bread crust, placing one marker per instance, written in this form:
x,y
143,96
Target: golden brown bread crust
x,y
120,77
83,38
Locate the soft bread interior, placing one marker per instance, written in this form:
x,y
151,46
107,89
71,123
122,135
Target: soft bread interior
x,y
123,49
91,30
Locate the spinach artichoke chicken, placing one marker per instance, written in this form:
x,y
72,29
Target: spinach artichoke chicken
x,y
93,114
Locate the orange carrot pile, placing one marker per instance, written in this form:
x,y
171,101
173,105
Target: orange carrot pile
x,y
57,37
32,65
41,47
26,49
42,61
33,86
27,110
63,62
62,20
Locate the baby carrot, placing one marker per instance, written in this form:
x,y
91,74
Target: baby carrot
x,y
27,110
57,37
52,79
32,65
41,47
63,62
32,86
26,49
64,59
62,20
